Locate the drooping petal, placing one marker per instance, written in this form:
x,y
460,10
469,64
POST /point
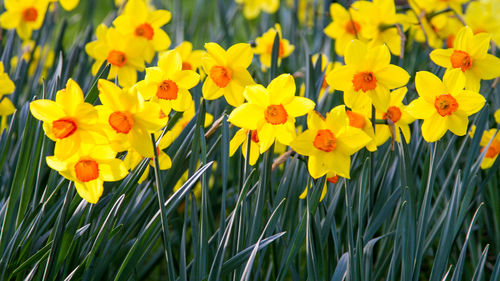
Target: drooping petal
x,y
239,137
457,124
316,166
90,191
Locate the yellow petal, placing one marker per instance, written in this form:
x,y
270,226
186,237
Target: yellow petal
x,y
392,76
454,81
112,170
457,124
441,57
217,52
420,108
246,116
285,133
267,135
341,78
239,137
210,90
429,86
303,143
46,110
434,128
355,52
352,140
299,106
186,79
316,166
339,163
256,94
281,89
469,102
239,55
487,67
90,191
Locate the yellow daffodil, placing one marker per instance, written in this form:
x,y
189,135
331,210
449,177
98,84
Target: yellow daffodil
x,y
241,139
493,150
252,8
361,120
128,119
367,76
470,55
69,121
329,142
168,85
345,27
227,72
443,105
271,111
124,53
331,177
264,46
396,112
191,59
139,22
380,19
482,16
133,158
6,106
89,168
23,15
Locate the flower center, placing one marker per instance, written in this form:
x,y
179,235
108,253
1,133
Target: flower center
x,y
364,81
121,121
86,170
393,113
355,119
64,127
167,90
445,105
333,179
325,140
221,75
493,150
461,59
276,114
30,14
255,136
186,66
117,58
145,30
352,27
281,51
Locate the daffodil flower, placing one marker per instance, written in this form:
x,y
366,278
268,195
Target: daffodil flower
x,y
23,15
89,168
329,142
264,46
129,120
139,22
443,105
345,27
69,121
123,53
227,72
367,76
168,85
396,112
470,55
271,111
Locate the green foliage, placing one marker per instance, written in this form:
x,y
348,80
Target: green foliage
x,y
415,211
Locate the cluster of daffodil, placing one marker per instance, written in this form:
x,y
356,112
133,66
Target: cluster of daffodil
x,y
88,138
